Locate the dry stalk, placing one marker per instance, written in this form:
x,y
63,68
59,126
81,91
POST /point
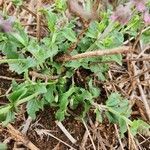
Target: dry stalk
x,y
30,18
42,76
84,140
97,53
18,136
26,125
145,101
38,33
119,139
97,134
32,13
63,129
10,79
132,144
94,147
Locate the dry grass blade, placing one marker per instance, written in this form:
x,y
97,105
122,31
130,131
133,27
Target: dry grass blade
x,y
26,125
94,147
119,137
42,132
84,140
63,129
144,99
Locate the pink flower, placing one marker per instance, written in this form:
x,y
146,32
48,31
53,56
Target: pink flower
x,y
122,14
147,17
5,25
140,5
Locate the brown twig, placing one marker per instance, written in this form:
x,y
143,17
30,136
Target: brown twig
x,y
144,99
123,60
38,33
118,50
33,14
94,147
42,76
9,78
18,136
137,75
118,136
84,140
28,10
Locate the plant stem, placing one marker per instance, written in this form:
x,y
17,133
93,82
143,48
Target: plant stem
x,y
12,60
118,50
27,99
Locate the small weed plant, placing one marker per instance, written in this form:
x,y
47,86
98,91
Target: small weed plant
x,y
49,61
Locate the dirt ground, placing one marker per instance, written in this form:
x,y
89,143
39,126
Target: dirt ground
x,y
38,132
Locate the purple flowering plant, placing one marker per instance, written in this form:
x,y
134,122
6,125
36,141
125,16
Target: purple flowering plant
x,y
140,5
124,12
5,24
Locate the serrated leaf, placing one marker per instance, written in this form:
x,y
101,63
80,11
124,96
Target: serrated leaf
x,y
113,99
87,106
32,108
117,58
111,117
51,19
39,88
5,109
118,38
51,52
101,76
99,70
73,64
16,95
9,49
94,91
63,103
22,66
141,127
21,37
49,95
92,30
10,116
122,126
69,34
98,116
145,38
60,115
60,4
